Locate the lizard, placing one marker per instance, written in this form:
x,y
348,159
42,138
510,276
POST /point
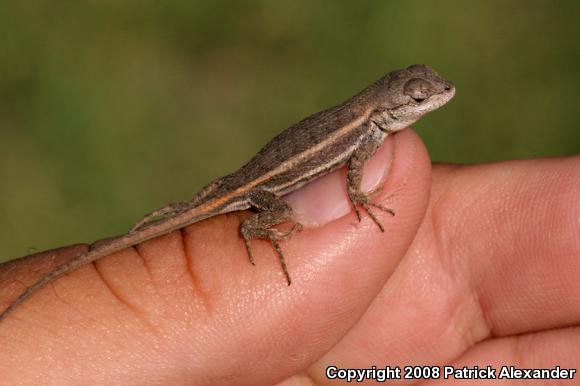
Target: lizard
x,y
346,134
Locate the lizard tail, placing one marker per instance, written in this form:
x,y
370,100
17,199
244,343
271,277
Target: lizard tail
x,y
61,270
106,247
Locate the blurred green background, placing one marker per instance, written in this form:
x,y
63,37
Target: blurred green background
x,y
109,109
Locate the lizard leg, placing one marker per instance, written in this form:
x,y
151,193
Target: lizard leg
x,y
178,207
354,178
169,209
272,210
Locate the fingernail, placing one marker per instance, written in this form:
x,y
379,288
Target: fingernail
x,y
325,199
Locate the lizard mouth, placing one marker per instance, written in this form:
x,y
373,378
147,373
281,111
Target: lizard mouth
x,y
436,99
424,104
443,97
408,113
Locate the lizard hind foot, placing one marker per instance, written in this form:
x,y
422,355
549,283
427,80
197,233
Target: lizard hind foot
x,y
272,210
272,234
276,235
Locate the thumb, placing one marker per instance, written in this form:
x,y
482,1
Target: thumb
x,y
337,268
189,307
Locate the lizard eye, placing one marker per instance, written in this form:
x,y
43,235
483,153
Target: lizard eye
x,y
418,89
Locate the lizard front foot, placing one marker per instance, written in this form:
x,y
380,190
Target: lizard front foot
x,y
364,200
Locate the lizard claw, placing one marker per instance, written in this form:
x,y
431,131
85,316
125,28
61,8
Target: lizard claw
x,y
276,235
364,200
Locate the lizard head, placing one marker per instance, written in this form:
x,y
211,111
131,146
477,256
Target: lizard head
x,y
404,96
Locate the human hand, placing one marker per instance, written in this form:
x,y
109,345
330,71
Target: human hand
x,y
479,268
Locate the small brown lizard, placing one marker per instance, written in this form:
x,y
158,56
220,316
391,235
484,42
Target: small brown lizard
x,y
348,133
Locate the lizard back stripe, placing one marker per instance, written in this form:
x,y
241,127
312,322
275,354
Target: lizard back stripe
x,y
212,205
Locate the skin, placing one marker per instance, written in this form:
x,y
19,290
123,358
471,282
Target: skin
x,y
480,265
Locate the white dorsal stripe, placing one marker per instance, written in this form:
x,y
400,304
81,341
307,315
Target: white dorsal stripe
x,y
284,166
